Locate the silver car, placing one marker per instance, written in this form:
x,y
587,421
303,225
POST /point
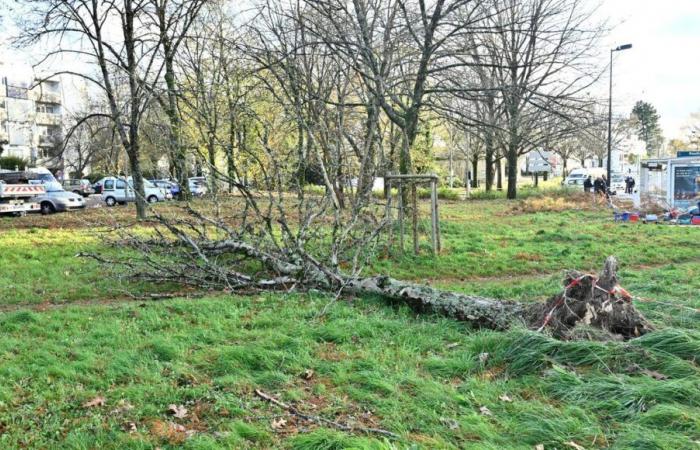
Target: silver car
x,y
119,191
59,201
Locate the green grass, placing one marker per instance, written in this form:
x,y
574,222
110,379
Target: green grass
x,y
422,377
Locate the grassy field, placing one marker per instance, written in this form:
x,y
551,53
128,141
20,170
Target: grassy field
x,y
85,363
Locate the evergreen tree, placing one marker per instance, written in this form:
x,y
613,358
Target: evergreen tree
x,y
646,124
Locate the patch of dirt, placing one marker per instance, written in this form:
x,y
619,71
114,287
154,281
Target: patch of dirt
x,y
328,351
524,256
573,202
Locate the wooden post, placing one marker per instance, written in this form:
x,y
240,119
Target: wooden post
x,y
437,217
414,196
388,214
433,215
401,208
467,178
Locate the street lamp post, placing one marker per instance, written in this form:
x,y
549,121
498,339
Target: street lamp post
x,y
616,49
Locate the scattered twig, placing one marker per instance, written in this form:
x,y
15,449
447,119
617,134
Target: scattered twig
x,y
320,420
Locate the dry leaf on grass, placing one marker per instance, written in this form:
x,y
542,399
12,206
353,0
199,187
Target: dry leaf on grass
x,y
485,411
505,398
452,424
308,374
95,402
574,445
131,427
170,431
483,357
178,411
452,345
123,406
278,424
655,375
539,447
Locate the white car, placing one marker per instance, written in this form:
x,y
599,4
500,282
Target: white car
x,y
617,184
577,176
121,190
197,186
58,201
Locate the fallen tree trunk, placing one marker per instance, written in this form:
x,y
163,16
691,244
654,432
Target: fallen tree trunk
x,y
587,301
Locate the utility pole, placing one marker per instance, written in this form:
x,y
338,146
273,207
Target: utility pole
x,y
617,49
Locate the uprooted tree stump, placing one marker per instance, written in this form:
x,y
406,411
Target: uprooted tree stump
x,y
587,302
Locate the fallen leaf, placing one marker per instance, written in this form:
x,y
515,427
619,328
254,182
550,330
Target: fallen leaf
x,y
452,345
278,424
122,407
505,398
308,374
539,447
655,375
131,427
483,357
485,411
95,402
177,427
451,423
178,411
573,444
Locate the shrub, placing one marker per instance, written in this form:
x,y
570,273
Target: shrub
x,y
13,163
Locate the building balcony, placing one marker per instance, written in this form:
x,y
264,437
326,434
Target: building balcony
x,y
44,96
48,119
50,140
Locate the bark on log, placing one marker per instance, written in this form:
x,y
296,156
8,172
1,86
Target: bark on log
x,y
480,311
587,301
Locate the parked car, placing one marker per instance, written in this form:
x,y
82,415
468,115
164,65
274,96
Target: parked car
x,y
58,201
121,190
577,176
197,186
51,197
80,187
172,186
617,183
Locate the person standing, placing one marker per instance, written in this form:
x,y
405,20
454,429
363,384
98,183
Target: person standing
x,y
588,184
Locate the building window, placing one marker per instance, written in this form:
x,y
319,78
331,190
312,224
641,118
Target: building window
x,y
44,108
20,92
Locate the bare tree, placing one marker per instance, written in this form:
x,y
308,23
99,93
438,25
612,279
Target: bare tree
x,y
173,20
542,55
113,37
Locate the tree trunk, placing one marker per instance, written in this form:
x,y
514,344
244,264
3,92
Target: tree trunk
x,y
133,150
512,170
499,175
564,168
211,147
475,167
489,160
607,308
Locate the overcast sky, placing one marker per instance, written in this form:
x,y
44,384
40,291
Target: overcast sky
x,y
662,68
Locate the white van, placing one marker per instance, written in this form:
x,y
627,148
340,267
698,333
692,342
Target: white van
x,y
577,176
121,190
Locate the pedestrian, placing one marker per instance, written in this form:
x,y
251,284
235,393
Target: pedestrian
x,y
587,184
632,184
598,185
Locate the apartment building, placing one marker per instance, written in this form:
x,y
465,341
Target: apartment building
x,y
31,119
